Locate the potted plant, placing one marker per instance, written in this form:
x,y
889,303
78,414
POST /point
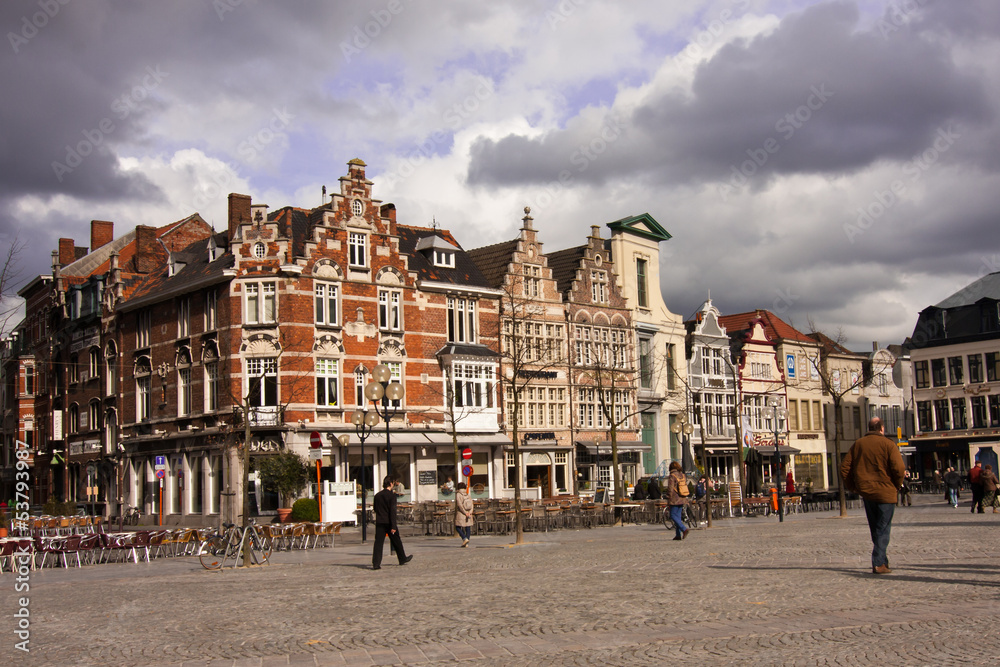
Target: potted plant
x,y
3,521
287,473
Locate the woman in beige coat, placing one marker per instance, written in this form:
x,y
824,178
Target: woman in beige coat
x,y
463,513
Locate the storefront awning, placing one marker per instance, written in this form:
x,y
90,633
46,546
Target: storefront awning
x,y
604,446
783,450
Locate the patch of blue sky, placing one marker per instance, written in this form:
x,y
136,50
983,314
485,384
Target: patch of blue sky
x,y
367,73
592,93
494,64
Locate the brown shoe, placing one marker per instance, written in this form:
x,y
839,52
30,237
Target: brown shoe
x,y
678,538
881,569
685,533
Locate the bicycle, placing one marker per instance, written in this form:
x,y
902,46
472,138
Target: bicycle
x,y
229,544
687,515
131,517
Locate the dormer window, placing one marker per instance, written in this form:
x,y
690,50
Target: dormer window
x,y
358,208
444,258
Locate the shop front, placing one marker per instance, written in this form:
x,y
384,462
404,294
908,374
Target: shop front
x,y
595,466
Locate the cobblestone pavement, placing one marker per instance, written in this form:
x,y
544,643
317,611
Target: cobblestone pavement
x,y
747,592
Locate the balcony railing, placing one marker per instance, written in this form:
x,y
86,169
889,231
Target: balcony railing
x,y
266,416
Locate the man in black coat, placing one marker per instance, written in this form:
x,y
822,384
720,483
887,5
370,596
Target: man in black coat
x,y
385,523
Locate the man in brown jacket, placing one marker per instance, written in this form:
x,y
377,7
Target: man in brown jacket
x,y
874,469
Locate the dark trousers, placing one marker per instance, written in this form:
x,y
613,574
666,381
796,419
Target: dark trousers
x,y
381,530
879,522
977,498
465,532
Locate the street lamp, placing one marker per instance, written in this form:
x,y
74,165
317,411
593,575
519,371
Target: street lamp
x,y
779,413
364,422
683,428
384,394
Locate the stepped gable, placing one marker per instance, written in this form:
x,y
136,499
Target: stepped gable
x,y
564,265
465,271
492,260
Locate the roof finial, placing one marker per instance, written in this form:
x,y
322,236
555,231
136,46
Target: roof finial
x,y
527,218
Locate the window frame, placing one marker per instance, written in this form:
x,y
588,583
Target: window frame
x,y
641,280
324,303
257,296
357,249
327,372
392,305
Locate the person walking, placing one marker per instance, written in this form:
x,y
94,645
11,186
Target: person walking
x,y
677,497
463,513
874,469
385,524
952,481
904,490
976,484
990,482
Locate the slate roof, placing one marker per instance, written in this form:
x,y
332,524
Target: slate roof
x,y
493,260
296,224
774,326
564,265
987,287
465,271
199,272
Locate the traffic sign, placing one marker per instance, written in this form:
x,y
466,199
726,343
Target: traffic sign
x,y
467,471
161,463
315,454
466,453
315,441
160,473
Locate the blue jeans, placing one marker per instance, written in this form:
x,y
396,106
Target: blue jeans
x,y
465,532
676,515
879,522
953,497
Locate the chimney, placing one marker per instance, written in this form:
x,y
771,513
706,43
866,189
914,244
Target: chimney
x,y
874,346
102,233
389,211
239,212
595,231
146,250
67,252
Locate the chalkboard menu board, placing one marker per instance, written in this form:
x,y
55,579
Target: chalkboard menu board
x,y
601,496
427,477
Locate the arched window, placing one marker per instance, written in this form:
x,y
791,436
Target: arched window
x,y
111,364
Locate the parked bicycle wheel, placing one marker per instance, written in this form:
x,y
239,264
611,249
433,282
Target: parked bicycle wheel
x,y
213,552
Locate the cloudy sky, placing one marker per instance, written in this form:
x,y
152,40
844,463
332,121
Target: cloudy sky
x,y
835,162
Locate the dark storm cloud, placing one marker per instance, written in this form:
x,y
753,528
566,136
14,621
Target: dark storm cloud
x,y
91,78
818,95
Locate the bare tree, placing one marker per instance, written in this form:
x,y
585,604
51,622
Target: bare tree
x,y
608,369
524,360
10,278
834,384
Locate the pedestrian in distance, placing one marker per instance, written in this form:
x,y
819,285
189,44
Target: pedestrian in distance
x,y
463,513
976,484
873,468
904,490
677,497
789,483
990,482
952,482
385,524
